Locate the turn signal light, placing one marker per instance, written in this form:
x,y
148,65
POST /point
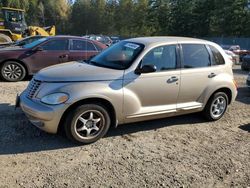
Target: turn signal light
x,y
235,84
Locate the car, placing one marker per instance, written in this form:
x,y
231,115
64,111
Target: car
x,y
245,63
234,57
101,38
248,81
115,39
22,42
18,62
236,50
133,80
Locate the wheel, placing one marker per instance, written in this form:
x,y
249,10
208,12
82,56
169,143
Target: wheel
x,y
216,106
13,71
87,123
5,39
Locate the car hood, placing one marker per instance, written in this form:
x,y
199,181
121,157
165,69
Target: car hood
x,y
77,71
11,49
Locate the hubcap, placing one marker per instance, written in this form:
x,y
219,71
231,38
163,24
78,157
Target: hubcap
x,y
12,72
218,106
89,124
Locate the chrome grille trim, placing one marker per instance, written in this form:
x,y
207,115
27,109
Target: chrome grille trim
x,y
33,87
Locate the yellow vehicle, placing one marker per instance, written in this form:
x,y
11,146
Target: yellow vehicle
x,y
13,26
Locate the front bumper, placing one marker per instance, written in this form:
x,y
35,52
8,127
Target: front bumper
x,y
43,116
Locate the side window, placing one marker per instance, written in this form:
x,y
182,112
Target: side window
x,y
195,56
217,57
55,45
82,45
163,57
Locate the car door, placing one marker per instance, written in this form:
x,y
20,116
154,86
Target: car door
x,y
81,50
52,52
196,75
153,94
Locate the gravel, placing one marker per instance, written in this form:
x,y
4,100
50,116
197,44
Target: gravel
x,y
182,151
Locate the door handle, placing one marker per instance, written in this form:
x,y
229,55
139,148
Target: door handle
x,y
172,79
211,75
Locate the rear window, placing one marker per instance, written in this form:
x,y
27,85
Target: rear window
x,y
217,57
195,56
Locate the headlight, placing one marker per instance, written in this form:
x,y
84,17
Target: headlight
x,y
55,98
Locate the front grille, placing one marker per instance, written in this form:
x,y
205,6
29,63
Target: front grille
x,y
33,87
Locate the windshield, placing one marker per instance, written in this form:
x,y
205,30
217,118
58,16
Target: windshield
x,y
27,40
119,56
35,43
14,16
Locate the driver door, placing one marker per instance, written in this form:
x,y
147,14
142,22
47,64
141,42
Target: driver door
x,y
153,94
53,52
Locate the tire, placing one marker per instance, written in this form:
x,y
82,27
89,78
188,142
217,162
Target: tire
x,y
82,127
13,71
5,39
212,107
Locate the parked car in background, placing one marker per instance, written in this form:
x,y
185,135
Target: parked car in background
x,y
134,80
237,50
246,63
234,57
22,42
248,81
18,62
100,38
115,39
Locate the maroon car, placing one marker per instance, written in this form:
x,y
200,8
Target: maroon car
x,y
17,62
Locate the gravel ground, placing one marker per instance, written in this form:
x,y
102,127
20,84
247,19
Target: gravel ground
x,y
181,151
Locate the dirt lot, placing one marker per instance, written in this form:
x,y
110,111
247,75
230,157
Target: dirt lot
x,y
174,152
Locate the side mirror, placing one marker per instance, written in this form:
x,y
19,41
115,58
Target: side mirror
x,y
146,69
38,49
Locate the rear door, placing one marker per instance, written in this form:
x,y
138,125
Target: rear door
x,y
81,50
197,73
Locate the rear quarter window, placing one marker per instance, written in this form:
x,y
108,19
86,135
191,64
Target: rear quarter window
x,y
217,59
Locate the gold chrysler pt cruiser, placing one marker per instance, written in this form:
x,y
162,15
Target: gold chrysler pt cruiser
x,y
134,80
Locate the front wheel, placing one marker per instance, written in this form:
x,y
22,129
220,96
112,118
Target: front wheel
x,y
216,106
13,71
87,123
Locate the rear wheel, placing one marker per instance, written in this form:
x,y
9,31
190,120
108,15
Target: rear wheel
x,y
5,38
216,106
87,123
13,71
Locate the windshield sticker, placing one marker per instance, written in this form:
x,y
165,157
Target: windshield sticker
x,y
131,45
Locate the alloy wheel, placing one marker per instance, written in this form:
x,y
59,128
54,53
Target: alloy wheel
x,y
89,124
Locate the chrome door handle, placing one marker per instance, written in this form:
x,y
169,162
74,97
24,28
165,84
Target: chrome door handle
x,y
172,79
211,75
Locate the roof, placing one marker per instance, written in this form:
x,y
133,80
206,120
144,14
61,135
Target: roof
x,y
15,9
167,39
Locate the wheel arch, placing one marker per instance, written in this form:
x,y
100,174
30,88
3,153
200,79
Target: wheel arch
x,y
104,102
225,90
